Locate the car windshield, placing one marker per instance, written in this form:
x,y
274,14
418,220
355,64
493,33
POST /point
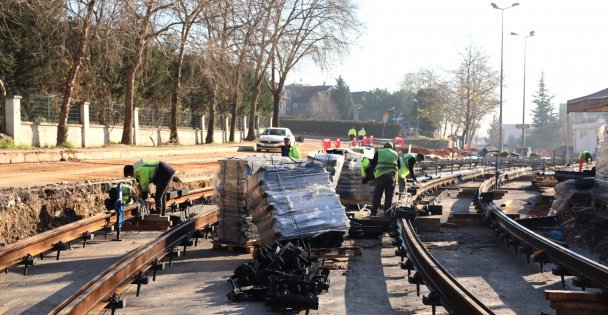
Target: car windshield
x,y
274,132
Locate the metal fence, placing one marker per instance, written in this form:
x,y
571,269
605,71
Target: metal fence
x,y
162,118
106,114
45,109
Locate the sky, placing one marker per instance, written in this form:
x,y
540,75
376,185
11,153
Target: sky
x,y
570,46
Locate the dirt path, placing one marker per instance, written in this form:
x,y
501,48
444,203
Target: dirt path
x,y
36,174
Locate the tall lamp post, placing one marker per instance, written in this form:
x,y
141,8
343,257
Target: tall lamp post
x,y
523,117
502,33
417,114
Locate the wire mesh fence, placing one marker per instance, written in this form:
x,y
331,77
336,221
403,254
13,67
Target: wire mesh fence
x,y
106,114
46,108
264,122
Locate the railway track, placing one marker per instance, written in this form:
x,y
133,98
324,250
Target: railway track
x,y
23,252
107,289
446,292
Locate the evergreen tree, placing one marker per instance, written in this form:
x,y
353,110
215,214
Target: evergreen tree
x,y
342,97
492,139
545,124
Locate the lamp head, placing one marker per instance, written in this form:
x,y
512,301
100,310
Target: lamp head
x,y
514,34
494,5
531,33
515,4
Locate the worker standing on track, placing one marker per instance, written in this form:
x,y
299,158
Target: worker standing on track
x,y
352,133
406,167
288,150
156,172
385,165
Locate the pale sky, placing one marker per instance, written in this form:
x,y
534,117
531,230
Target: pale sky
x,y
570,46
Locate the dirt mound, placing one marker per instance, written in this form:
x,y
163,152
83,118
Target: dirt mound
x,y
26,212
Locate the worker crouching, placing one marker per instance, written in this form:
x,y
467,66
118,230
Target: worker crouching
x,y
156,172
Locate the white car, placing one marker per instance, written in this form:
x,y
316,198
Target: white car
x,y
272,138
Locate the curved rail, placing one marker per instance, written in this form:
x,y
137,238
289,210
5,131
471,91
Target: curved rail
x,y
589,271
451,294
43,242
94,294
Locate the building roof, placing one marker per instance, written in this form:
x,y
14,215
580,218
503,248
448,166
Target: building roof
x,y
596,102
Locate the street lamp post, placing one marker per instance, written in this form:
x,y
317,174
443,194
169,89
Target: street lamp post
x,y
523,117
417,114
502,23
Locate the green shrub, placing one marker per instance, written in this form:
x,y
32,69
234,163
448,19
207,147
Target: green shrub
x,y
66,144
10,145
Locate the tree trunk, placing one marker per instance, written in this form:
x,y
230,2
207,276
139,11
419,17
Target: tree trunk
x,y
2,104
235,104
251,136
175,95
62,127
211,122
276,99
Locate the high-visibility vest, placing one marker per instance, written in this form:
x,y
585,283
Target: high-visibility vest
x,y
144,172
294,153
361,132
364,165
127,193
352,132
585,155
387,162
404,171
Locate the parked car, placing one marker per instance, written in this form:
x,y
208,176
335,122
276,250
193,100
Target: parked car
x,y
272,139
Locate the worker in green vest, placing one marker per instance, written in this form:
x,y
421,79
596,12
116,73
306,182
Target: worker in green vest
x,y
585,156
367,172
352,133
128,194
156,172
385,165
289,150
406,167
360,134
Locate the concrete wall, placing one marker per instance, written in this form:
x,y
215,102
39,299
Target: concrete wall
x,y
84,134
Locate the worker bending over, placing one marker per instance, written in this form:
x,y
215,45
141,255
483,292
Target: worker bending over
x,y
406,167
156,172
585,156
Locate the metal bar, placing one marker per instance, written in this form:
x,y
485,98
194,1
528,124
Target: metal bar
x,y
99,289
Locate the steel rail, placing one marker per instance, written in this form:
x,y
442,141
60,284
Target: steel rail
x,y
450,294
576,264
98,290
11,254
453,296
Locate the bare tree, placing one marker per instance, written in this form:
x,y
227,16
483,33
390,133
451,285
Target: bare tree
x,y
187,13
145,25
62,127
316,29
474,86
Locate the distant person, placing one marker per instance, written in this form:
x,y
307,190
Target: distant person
x,y
360,134
385,165
288,150
156,172
406,167
352,133
483,152
585,156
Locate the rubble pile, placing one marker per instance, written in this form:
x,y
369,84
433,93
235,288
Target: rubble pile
x,y
287,278
294,201
235,223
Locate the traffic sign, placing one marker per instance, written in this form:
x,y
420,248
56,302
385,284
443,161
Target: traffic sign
x,y
522,126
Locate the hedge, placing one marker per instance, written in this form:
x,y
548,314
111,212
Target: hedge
x,y
338,128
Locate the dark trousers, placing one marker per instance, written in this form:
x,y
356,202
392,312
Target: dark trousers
x,y
385,184
162,179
